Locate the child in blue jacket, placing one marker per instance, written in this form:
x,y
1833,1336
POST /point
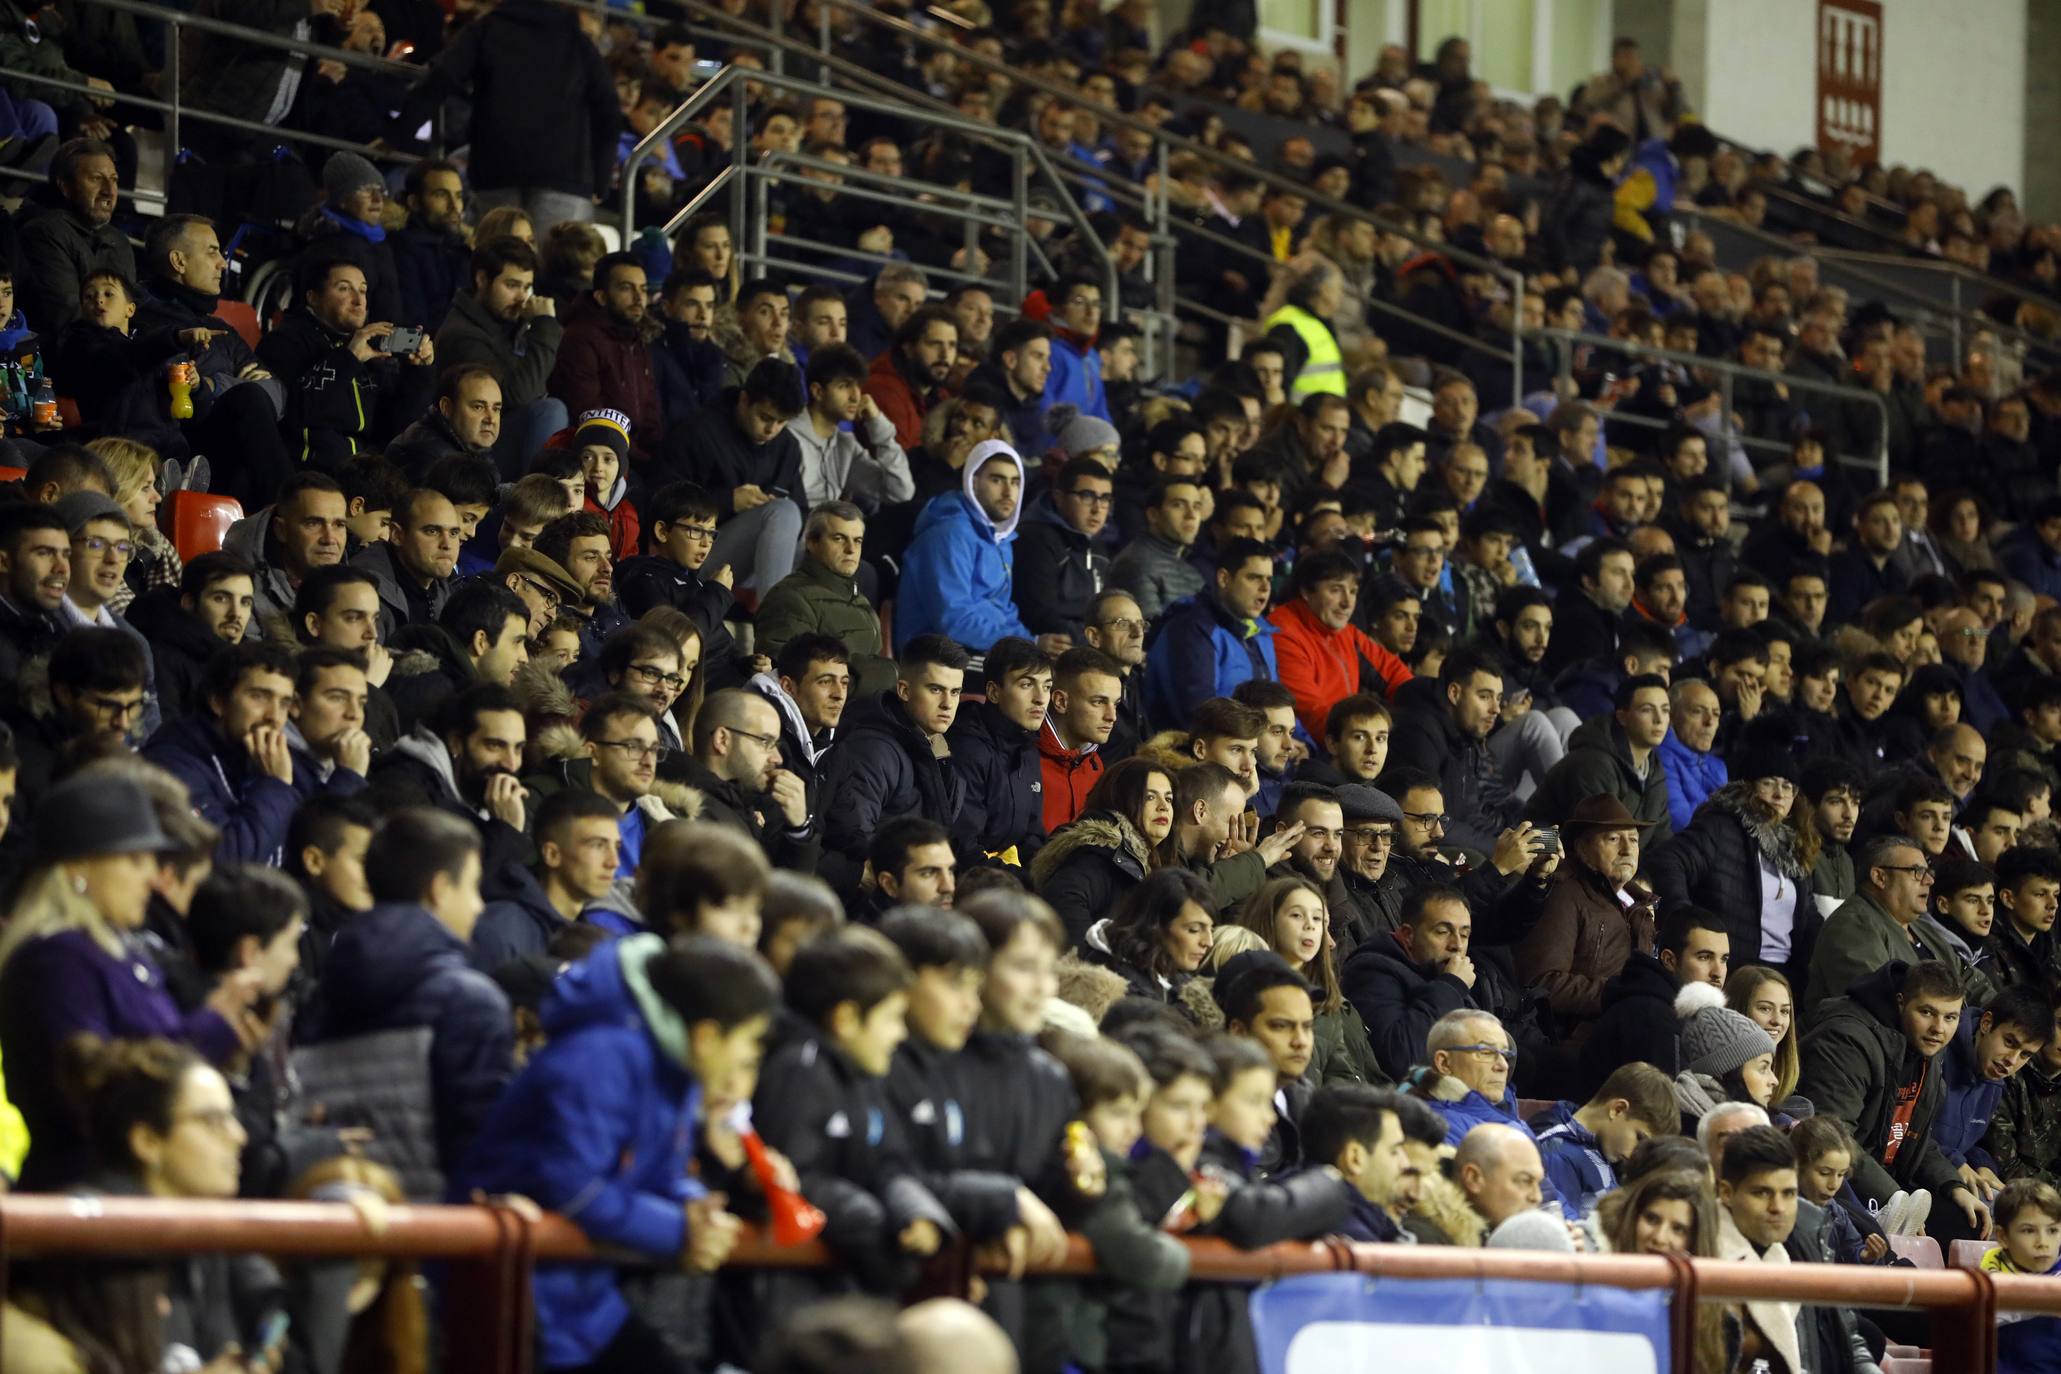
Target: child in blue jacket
x,y
600,1127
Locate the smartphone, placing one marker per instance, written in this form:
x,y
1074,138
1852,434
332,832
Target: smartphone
x,y
402,340
1547,837
780,492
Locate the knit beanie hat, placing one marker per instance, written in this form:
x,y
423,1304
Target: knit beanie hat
x,y
610,427
1715,1039
1760,761
1537,1230
344,174
1077,433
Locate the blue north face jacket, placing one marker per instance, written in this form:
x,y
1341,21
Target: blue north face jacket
x,y
1575,1165
600,1127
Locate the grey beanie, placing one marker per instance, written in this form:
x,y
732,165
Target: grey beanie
x,y
1715,1039
1077,433
1537,1230
81,508
344,174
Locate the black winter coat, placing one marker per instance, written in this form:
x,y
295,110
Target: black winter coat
x,y
654,580
1058,573
883,767
726,803
335,405
1005,787
402,776
180,646
396,967
1856,1063
1399,1000
520,49
432,267
1087,867
1480,805
1715,865
1582,630
1637,1024
710,449
928,1088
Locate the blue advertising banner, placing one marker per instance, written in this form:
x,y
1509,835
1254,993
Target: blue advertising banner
x,y
1353,1324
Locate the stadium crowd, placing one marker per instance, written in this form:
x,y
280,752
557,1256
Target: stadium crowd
x,y
662,738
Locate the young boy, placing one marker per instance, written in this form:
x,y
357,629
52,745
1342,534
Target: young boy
x,y
118,377
2028,1219
797,908
926,1084
1581,1147
825,1106
600,1125
602,443
682,530
1132,1252
1214,1331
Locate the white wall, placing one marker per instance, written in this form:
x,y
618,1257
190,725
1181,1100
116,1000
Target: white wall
x,y
1953,78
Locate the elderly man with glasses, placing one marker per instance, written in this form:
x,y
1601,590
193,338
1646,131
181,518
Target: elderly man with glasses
x,y
1885,921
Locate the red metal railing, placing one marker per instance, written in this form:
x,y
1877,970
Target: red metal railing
x,y
488,1252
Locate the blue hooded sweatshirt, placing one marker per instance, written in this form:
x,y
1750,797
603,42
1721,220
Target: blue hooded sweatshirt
x,y
1575,1165
956,574
600,1127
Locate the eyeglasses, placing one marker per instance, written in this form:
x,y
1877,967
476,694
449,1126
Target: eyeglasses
x,y
552,600
111,708
1427,819
1972,634
1377,838
1126,625
1085,302
701,534
634,748
765,741
659,677
1923,871
97,546
1508,1056
1094,498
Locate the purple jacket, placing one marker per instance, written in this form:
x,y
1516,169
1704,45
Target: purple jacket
x,y
64,985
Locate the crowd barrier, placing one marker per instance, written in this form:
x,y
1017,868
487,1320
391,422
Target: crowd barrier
x,y
487,1252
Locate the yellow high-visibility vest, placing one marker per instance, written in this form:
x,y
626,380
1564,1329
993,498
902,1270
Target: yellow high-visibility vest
x,y
1324,368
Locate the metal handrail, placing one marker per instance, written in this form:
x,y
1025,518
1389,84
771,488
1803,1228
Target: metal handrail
x,y
244,33
733,80
493,1246
1729,372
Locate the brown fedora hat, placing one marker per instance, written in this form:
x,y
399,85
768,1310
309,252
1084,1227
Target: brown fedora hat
x,y
1604,812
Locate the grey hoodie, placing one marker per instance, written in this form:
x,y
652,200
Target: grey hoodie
x,y
863,465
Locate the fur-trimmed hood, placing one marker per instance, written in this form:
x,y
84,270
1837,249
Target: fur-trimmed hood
x,y
1169,750
1777,841
1093,829
1197,999
1441,1204
543,694
559,748
1090,987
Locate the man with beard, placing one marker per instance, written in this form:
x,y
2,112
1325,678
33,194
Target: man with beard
x,y
504,325
1869,567
1832,789
1806,593
1018,367
910,377
1116,627
579,543
430,255
465,421
1660,598
1796,536
344,389
414,567
183,266
189,624
465,763
956,572
604,361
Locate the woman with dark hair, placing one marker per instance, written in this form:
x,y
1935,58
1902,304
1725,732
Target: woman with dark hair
x,y
1960,527
1159,936
1124,833
1747,854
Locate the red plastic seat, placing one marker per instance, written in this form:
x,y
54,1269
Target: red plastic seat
x,y
197,521
13,474
241,316
1923,1251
